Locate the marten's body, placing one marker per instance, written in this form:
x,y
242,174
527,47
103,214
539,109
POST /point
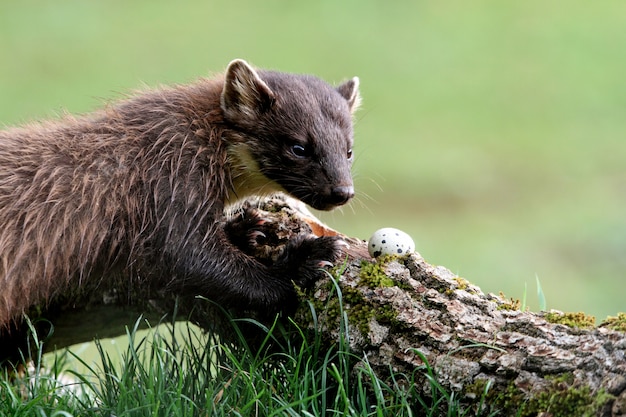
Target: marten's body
x,y
138,190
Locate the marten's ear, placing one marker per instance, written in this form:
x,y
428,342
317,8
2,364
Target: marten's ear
x,y
244,93
350,91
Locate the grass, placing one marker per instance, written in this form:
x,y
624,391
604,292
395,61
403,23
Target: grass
x,y
171,373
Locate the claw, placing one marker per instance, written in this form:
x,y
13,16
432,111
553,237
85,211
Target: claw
x,y
262,220
255,234
344,244
324,264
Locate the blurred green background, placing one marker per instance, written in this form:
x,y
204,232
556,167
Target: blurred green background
x,y
493,132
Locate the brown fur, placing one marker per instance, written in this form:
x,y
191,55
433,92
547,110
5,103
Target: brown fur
x,y
138,190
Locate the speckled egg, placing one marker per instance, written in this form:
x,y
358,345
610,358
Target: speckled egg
x,y
390,241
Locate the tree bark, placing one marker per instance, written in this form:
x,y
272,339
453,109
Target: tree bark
x,y
404,313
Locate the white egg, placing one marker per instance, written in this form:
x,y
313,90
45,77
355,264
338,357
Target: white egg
x,y
390,241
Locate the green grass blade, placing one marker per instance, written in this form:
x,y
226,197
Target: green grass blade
x,y
540,295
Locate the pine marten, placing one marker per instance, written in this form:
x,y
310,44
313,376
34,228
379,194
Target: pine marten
x,y
136,192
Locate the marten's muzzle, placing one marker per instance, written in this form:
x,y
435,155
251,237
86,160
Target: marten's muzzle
x,y
341,194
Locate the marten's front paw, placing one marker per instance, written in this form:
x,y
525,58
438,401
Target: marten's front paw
x,y
304,257
249,232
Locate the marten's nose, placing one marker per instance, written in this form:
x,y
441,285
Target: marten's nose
x,y
342,194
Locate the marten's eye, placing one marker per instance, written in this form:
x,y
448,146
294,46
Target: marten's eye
x,y
349,154
300,151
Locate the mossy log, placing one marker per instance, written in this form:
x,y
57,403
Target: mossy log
x,y
404,313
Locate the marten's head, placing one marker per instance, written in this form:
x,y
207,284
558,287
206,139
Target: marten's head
x,y
293,133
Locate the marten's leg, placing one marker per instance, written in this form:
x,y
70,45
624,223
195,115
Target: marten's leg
x,y
220,270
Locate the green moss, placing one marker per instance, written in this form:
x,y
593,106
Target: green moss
x,y
510,304
566,401
616,323
300,293
559,399
564,378
579,320
461,283
373,274
360,311
506,402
